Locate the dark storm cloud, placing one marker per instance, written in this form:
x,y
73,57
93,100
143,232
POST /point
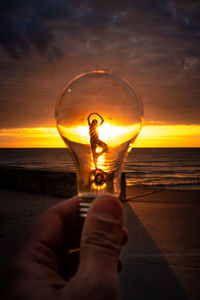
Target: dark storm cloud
x,y
26,24
23,25
154,44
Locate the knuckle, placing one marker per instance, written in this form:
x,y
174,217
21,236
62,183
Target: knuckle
x,y
102,240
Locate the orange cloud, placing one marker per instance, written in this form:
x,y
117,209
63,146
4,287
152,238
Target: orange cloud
x,y
150,136
41,137
169,136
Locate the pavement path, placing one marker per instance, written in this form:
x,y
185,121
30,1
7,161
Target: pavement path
x,y
162,257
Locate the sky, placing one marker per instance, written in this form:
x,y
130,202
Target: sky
x,y
155,45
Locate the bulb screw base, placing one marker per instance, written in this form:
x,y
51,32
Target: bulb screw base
x,y
85,203
83,209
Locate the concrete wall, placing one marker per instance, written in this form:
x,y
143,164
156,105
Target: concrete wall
x,y
44,182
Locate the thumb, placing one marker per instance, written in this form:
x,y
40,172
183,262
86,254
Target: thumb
x,y
102,237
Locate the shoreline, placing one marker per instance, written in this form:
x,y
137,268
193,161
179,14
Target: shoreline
x,y
164,196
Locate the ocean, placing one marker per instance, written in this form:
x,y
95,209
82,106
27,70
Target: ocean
x,y
171,168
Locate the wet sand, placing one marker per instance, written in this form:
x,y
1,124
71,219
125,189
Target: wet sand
x,y
162,257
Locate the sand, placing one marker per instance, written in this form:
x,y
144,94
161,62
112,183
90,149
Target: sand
x,y
162,258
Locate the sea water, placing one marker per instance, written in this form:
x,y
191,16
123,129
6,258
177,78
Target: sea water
x,y
177,168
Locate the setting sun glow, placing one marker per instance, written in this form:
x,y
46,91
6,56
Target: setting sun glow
x,y
150,136
112,135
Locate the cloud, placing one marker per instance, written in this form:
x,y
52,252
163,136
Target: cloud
x,y
23,27
35,24
154,44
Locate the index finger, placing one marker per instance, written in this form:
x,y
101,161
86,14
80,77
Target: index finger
x,y
53,227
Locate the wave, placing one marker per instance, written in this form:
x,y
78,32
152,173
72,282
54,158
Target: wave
x,y
164,172
165,168
191,186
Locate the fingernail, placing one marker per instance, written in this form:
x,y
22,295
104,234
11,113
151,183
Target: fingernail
x,y
107,207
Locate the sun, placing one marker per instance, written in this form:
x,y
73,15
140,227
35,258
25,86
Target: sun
x,y
110,134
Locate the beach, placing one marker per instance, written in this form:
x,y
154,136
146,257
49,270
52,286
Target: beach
x,y
162,257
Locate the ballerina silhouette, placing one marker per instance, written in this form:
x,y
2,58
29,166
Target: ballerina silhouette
x,y
94,137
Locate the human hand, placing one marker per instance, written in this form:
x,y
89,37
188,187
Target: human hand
x,y
45,265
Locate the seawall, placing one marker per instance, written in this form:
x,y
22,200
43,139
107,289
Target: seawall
x,y
57,183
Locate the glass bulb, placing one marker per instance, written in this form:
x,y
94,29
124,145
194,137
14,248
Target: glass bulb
x,y
99,116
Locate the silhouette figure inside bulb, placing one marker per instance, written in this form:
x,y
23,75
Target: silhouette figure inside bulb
x,y
94,137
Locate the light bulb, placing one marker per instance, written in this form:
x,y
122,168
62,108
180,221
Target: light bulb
x,y
99,116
